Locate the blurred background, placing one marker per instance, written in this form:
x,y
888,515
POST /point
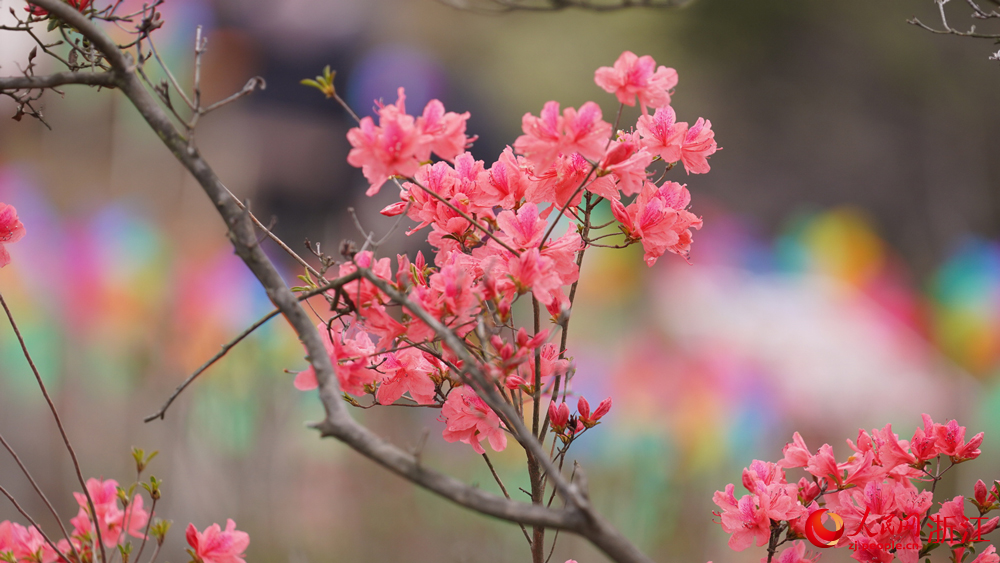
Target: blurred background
x,y
848,274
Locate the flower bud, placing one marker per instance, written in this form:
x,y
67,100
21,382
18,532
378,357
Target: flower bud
x,y
583,407
558,416
981,494
394,210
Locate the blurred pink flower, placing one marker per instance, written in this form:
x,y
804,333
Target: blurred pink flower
x,y
11,230
216,545
468,419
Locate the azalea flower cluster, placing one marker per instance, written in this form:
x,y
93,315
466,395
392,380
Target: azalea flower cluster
x,y
115,519
883,492
495,231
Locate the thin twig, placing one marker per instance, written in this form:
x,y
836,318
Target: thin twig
x,y
505,493
161,414
32,522
38,490
145,535
59,424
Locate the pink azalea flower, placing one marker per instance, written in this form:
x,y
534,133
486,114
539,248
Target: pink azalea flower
x,y
575,131
585,132
535,273
217,546
454,294
659,219
27,544
551,365
509,181
439,178
627,161
662,135
406,370
468,419
560,183
445,131
523,229
634,76
350,358
744,519
888,449
823,465
950,437
780,502
11,230
924,443
796,453
110,517
389,149
471,178
861,470
699,144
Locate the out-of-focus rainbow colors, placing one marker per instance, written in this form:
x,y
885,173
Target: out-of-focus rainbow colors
x,y
811,330
110,299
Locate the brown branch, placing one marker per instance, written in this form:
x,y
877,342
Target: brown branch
x,y
58,79
578,517
504,6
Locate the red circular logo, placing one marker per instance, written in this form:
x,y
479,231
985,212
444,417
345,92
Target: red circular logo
x,y
820,535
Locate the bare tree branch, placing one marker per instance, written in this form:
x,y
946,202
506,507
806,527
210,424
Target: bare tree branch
x,y
578,517
503,6
59,79
947,29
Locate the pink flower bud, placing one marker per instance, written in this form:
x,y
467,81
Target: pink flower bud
x,y
558,416
589,419
602,409
515,381
583,407
395,209
503,309
980,491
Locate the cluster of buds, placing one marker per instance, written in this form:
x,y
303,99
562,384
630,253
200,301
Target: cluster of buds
x,y
567,425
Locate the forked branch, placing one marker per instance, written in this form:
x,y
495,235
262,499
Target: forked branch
x,y
578,517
